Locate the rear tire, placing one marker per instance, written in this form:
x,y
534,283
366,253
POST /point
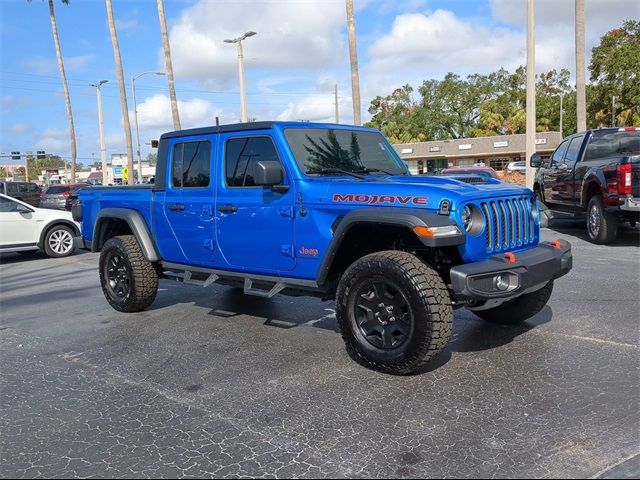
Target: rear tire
x,y
129,281
602,226
58,242
394,312
516,311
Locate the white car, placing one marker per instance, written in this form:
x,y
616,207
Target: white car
x,y
24,228
520,167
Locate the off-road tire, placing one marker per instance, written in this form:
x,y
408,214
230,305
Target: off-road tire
x,y
427,302
516,311
607,230
58,241
141,275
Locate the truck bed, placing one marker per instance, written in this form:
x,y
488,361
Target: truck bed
x,y
94,199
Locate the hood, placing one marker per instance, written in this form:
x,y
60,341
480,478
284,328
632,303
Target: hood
x,y
404,190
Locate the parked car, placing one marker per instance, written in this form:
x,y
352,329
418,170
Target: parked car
x,y
520,167
295,208
28,192
61,197
596,173
485,172
25,228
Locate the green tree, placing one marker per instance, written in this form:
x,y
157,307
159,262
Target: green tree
x,y
615,71
3,172
152,158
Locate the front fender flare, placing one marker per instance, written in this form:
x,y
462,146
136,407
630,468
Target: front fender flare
x,y
136,223
405,217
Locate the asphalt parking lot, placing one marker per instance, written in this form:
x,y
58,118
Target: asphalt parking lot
x,y
209,382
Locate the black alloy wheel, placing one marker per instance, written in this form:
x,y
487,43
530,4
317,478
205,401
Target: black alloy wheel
x,y
383,315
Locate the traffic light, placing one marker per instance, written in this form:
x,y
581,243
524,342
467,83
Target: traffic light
x,y
154,143
40,155
15,155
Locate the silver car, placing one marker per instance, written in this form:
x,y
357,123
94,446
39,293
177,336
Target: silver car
x,y
61,197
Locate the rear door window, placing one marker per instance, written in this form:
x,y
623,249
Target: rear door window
x,y
191,164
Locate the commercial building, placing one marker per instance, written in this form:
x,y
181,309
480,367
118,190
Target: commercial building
x,y
496,152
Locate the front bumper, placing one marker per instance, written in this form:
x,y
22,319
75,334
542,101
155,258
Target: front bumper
x,y
631,204
509,276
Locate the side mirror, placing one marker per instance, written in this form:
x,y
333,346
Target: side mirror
x,y
268,173
536,160
22,209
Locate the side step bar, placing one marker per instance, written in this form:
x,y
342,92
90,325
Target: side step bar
x,y
204,277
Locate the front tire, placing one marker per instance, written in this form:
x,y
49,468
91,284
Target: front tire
x,y
129,281
394,312
601,225
58,242
516,311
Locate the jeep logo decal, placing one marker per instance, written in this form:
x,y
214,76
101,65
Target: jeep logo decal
x,y
377,199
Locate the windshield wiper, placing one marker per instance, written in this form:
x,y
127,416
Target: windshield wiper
x,y
367,170
326,171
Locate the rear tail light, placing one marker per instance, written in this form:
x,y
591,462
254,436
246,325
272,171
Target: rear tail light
x,y
624,179
41,195
66,194
629,129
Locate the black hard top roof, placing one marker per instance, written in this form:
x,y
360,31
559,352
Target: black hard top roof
x,y
240,127
235,127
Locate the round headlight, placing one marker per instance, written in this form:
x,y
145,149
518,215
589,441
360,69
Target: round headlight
x,y
467,218
472,219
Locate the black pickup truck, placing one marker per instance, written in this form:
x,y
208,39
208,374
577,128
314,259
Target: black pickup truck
x,y
596,172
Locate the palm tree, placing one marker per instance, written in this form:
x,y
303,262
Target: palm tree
x,y
580,71
123,91
353,57
169,66
65,86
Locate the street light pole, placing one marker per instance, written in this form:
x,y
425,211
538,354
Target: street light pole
x,y
135,116
243,98
103,146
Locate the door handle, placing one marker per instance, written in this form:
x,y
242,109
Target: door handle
x,y
176,207
227,208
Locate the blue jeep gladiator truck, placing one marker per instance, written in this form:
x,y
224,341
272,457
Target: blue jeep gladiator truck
x,y
330,211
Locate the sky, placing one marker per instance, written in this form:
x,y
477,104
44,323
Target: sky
x,y
291,66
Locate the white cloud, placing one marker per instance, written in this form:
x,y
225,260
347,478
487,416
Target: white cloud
x,y
124,25
301,34
155,113
555,23
47,66
9,101
440,41
318,107
19,128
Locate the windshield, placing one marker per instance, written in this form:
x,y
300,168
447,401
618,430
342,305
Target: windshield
x,y
320,151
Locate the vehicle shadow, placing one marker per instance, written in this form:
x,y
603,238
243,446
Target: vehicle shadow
x,y
470,333
627,236
9,258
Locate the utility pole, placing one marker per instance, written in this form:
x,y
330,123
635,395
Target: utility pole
x,y
581,108
244,117
613,111
336,103
561,112
103,146
531,91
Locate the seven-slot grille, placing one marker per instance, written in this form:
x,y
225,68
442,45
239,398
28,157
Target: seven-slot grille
x,y
509,223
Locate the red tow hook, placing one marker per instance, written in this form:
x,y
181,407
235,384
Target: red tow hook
x,y
511,258
556,243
